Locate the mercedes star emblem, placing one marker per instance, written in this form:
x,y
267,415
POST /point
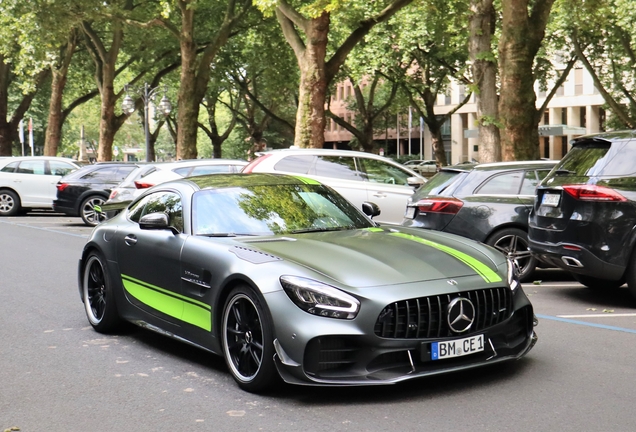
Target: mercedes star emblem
x,y
460,314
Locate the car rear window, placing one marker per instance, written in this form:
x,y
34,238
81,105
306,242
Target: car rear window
x,y
599,158
437,184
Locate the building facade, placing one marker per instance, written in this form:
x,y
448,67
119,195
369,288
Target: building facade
x,y
575,110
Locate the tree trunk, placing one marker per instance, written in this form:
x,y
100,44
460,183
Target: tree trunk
x,y
310,117
521,37
484,69
59,75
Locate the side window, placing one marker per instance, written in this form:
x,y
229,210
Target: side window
x,y
502,184
340,167
378,171
300,164
32,167
10,167
59,168
210,169
123,172
101,174
530,183
159,202
183,172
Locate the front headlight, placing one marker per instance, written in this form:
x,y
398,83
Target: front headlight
x,y
320,299
513,282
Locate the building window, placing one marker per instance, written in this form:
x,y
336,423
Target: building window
x,y
546,117
340,92
578,81
583,117
564,116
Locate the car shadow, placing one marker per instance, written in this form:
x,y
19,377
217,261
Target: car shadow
x,y
433,386
610,298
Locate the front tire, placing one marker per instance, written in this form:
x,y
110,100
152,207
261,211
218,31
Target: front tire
x,y
9,203
90,210
248,341
98,296
513,242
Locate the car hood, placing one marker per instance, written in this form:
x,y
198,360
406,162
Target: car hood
x,y
386,256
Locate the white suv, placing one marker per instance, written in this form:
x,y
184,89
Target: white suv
x,y
357,176
29,181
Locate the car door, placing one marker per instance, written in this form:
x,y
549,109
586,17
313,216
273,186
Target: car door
x,y
149,259
36,189
387,186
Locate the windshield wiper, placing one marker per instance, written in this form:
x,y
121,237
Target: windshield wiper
x,y
226,234
310,230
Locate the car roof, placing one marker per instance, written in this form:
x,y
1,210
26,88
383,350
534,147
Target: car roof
x,y
606,136
218,181
493,166
323,151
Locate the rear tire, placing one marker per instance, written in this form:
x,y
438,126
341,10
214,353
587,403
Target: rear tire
x,y
9,203
98,296
598,284
248,341
89,210
513,242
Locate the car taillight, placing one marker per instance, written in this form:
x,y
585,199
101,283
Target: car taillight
x,y
250,166
439,205
143,185
113,194
593,193
61,186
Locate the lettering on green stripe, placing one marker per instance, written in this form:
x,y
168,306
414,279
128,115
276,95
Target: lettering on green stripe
x,y
480,268
170,303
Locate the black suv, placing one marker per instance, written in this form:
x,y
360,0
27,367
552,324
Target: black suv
x,y
584,215
82,192
485,202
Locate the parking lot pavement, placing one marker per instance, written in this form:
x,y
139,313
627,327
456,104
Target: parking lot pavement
x,y
50,221
557,297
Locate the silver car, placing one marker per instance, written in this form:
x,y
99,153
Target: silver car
x,y
357,176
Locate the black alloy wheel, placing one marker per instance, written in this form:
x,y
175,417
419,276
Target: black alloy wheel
x,y
513,242
248,341
97,294
9,203
90,210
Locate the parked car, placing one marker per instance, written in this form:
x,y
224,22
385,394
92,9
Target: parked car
x,y
284,277
81,193
426,168
485,202
151,174
584,215
358,176
28,182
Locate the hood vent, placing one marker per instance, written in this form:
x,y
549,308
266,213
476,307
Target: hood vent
x,y
253,256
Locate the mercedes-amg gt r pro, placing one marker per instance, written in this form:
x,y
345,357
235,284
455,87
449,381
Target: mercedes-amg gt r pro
x,y
284,277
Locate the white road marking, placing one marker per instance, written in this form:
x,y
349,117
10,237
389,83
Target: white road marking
x,y
604,315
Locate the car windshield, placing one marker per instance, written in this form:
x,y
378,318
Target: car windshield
x,y
273,209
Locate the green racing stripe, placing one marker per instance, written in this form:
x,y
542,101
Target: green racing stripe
x,y
480,268
307,180
170,303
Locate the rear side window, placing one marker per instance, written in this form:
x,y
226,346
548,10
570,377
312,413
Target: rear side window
x,y
10,167
503,184
340,167
378,171
32,167
101,174
59,168
300,164
599,159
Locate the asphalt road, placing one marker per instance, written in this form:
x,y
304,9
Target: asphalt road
x,y
57,374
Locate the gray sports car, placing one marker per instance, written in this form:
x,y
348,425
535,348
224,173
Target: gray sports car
x,y
285,278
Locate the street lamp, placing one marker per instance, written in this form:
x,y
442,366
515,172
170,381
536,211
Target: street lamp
x,y
147,94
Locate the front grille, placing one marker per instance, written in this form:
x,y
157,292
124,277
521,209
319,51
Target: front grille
x,y
425,317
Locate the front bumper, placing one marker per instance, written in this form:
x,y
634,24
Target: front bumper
x,y
358,358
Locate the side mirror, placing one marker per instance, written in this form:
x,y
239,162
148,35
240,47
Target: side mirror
x,y
414,182
370,209
154,221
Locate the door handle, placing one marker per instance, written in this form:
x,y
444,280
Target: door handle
x,y
130,240
379,195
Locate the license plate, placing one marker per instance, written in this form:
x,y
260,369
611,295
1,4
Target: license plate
x,y
550,199
410,213
457,348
